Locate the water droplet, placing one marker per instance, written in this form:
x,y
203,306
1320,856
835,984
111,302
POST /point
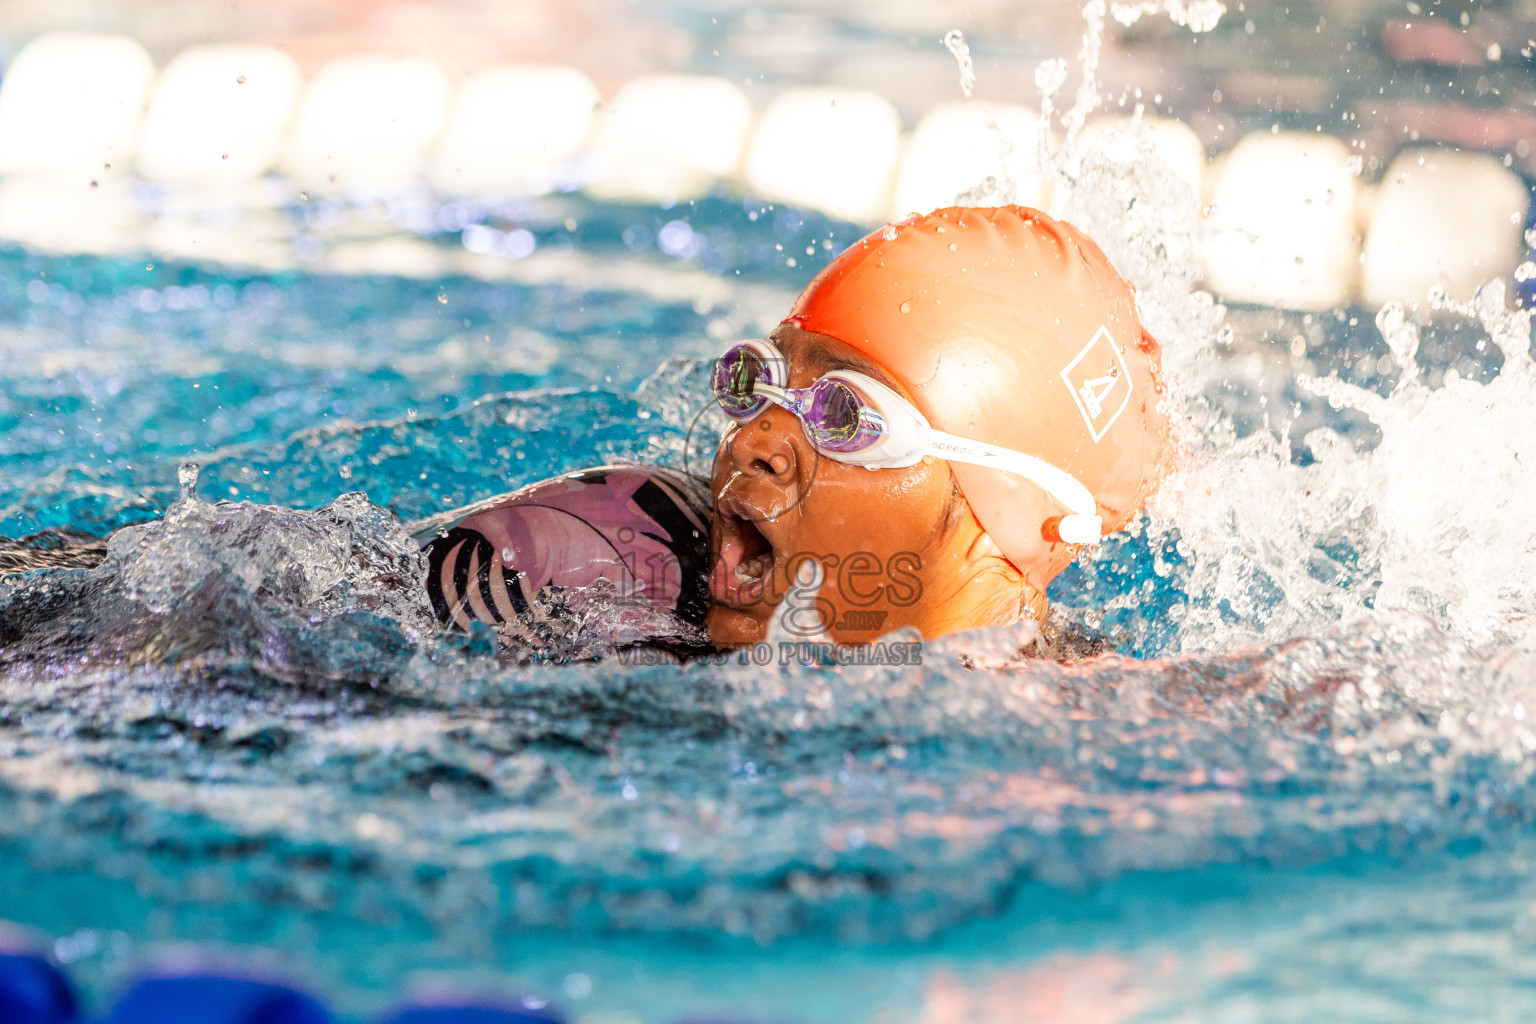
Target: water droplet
x,y
889,233
442,297
906,307
954,42
240,80
953,247
1050,76
186,476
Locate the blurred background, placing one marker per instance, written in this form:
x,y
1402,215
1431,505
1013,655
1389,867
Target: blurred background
x,y
434,251
169,125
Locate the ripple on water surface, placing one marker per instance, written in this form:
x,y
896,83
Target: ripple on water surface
x,y
246,704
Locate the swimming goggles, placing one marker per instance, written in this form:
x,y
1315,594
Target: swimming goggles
x,y
857,420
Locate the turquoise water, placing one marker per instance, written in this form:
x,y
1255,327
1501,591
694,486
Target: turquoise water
x,y
117,369
244,730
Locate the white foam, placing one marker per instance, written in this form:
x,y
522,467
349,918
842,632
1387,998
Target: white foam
x,y
669,137
957,147
514,130
219,113
1436,514
1431,521
1431,525
71,104
1445,218
1454,480
367,122
832,150
1282,228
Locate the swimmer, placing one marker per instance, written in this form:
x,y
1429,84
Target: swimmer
x,y
951,411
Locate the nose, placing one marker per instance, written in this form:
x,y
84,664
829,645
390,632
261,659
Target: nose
x,y
768,446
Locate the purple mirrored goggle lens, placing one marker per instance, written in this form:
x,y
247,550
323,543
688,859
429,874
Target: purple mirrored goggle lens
x,y
838,417
735,380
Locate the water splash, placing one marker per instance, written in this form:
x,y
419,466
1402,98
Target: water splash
x,y
1425,518
1199,16
1051,75
954,42
186,477
1441,500
248,702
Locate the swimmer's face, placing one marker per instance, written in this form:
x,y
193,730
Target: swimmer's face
x,y
899,547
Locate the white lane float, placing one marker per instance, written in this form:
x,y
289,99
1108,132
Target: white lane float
x,y
668,137
988,150
367,123
832,150
219,114
1282,228
1442,217
513,130
59,214
71,104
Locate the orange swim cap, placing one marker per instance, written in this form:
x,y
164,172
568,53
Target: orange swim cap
x,y
1009,327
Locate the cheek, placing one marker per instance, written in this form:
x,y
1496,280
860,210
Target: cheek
x,y
887,510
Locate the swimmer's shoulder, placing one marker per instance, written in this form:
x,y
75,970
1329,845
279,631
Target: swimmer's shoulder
x,y
624,545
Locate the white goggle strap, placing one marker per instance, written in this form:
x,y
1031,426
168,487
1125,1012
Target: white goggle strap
x,y
1083,526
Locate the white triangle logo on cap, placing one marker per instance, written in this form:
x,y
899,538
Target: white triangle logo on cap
x,y
1099,382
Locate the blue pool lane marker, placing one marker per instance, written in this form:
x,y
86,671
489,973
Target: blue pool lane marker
x,y
469,1014
32,991
214,999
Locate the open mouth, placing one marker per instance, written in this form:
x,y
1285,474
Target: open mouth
x,y
744,562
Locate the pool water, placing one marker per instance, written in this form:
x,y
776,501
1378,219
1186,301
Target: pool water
x,y
1299,790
